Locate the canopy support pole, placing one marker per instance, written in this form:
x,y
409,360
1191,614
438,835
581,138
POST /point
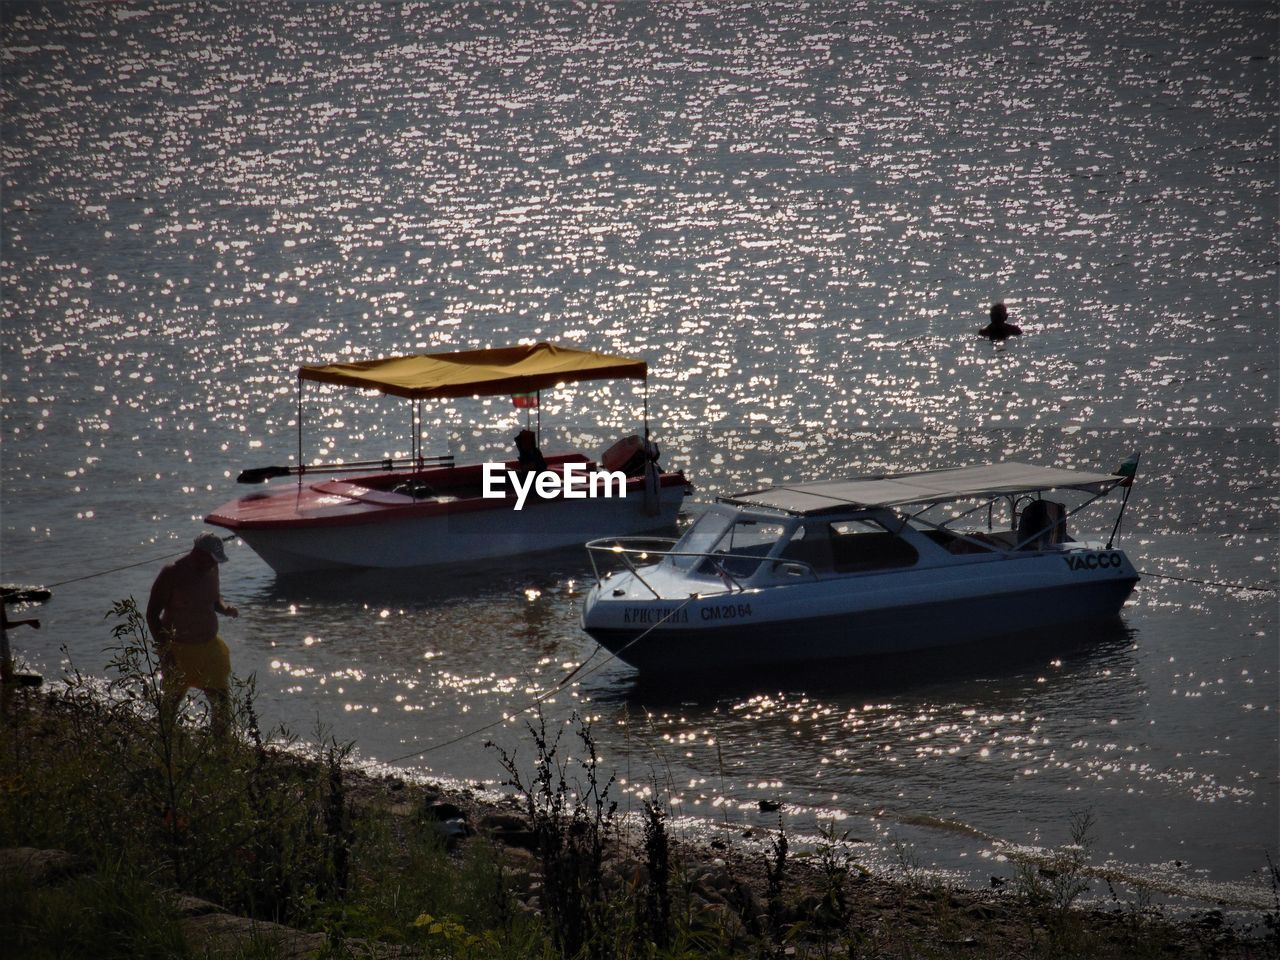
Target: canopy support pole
x,y
414,435
1128,488
1120,516
646,408
538,399
301,468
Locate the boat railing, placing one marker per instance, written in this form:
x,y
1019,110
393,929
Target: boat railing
x,y
414,464
618,549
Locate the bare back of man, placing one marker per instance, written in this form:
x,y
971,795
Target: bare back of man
x,y
182,614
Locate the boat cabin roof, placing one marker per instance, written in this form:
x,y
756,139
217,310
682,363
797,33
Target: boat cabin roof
x,y
928,487
477,373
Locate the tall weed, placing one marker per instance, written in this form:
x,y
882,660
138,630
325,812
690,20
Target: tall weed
x,y
254,829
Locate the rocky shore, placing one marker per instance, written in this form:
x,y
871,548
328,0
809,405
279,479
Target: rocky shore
x,y
729,889
309,857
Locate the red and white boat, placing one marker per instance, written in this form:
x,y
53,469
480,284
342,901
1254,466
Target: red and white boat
x,y
424,511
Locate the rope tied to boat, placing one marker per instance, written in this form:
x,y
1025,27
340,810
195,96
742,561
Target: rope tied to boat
x,y
129,566
560,684
1264,588
578,670
1257,588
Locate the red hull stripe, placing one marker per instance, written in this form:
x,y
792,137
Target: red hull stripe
x,y
368,499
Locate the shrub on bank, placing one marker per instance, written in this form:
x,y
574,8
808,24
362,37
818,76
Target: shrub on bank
x,y
159,805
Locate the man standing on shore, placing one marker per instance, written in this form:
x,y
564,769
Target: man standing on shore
x,y
182,614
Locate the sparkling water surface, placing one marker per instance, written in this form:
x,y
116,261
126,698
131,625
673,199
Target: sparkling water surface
x,y
798,214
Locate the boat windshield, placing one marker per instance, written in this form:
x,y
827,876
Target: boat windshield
x,y
701,538
732,544
741,546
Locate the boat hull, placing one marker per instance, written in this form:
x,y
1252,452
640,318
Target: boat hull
x,y
453,539
363,523
741,631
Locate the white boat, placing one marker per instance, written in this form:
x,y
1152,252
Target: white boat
x,y
866,566
424,511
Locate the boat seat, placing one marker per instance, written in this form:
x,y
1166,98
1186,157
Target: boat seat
x,y
384,498
857,552
1045,523
415,487
741,563
973,541
813,550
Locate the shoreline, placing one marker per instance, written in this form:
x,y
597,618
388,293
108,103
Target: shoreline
x,y
749,901
1237,902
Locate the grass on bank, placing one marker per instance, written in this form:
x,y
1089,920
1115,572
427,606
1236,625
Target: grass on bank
x,y
157,805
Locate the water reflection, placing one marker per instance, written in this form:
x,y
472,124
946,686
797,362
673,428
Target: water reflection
x,y
896,728
996,667
877,744
557,570
795,218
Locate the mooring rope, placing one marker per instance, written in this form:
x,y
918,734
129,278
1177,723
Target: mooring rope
x,y
577,670
543,697
1210,583
1264,588
128,566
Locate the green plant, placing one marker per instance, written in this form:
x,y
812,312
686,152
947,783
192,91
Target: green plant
x,y
454,936
832,912
571,827
1050,888
129,778
656,920
115,914
909,869
775,872
162,765
1057,884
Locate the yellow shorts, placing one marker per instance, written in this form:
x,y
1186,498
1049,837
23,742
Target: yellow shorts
x,y
205,666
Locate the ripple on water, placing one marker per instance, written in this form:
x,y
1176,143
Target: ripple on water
x,y
799,220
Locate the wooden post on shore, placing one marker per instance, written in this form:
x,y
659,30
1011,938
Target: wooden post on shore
x,y
8,595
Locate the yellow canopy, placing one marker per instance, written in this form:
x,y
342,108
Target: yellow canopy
x,y
471,373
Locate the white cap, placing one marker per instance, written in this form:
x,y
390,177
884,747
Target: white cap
x,y
211,544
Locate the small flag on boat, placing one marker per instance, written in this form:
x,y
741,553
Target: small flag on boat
x,y
525,401
724,576
1128,470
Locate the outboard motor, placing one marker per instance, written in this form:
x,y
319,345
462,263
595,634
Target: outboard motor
x,y
638,458
630,456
